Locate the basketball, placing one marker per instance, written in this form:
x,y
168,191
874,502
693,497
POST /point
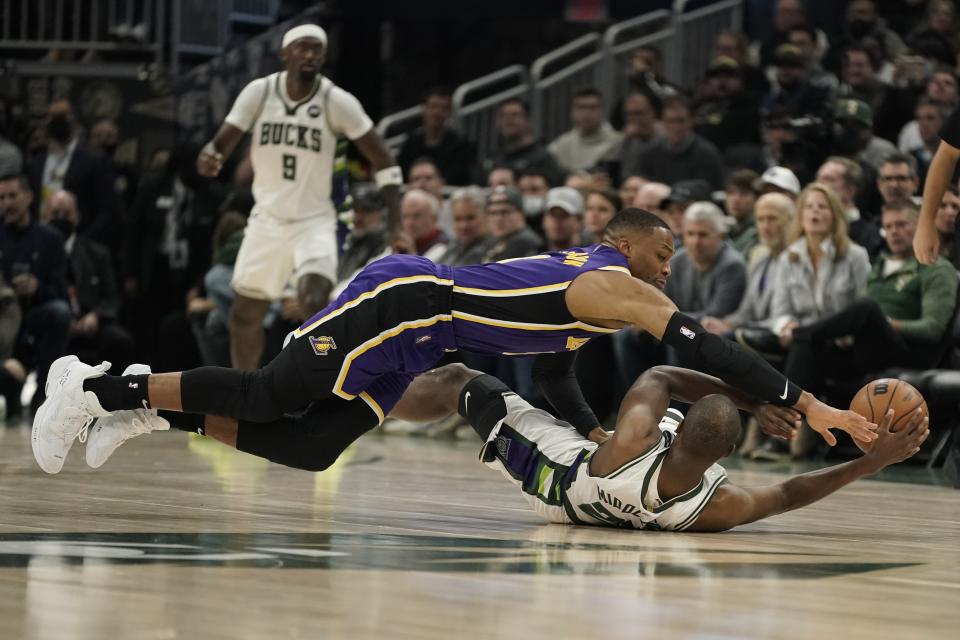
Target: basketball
x,y
878,396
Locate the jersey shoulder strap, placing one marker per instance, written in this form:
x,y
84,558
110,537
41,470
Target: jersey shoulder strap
x,y
263,98
326,106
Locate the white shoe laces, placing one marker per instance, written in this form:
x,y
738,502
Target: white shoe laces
x,y
73,418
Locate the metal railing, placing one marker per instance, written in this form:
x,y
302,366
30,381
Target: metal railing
x,y
685,41
697,30
161,29
87,25
556,76
475,104
622,39
255,11
396,127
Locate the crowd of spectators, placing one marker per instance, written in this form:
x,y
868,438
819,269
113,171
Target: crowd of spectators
x,y
790,176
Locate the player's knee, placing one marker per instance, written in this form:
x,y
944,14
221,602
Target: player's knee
x,y
313,292
317,462
246,312
456,375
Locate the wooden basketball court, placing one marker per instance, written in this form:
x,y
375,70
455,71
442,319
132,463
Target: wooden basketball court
x,y
179,537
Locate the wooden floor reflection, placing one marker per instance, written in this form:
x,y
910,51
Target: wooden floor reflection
x,y
405,538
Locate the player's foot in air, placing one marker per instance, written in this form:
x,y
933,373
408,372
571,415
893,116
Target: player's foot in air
x,y
111,432
67,412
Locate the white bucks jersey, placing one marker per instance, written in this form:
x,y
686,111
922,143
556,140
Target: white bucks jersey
x,y
628,497
293,144
550,461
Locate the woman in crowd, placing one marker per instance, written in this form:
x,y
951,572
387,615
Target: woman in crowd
x,y
599,207
820,272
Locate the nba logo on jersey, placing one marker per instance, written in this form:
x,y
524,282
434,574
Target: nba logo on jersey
x,y
322,344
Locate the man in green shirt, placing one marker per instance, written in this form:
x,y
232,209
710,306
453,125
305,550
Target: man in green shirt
x,y
901,322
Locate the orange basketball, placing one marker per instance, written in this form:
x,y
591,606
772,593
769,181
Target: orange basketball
x,y
877,397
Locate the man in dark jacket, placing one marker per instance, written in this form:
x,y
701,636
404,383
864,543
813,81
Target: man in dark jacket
x,y
437,141
34,263
518,149
681,154
92,289
88,174
168,241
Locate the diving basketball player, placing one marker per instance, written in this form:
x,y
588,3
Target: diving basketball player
x,y
294,118
347,367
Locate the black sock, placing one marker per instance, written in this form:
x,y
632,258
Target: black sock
x,y
192,422
117,393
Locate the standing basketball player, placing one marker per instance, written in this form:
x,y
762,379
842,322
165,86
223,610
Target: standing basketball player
x,y
294,118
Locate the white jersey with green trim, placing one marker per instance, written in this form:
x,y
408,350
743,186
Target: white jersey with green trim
x,y
627,497
549,461
293,144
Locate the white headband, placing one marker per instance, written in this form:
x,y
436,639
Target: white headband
x,y
304,31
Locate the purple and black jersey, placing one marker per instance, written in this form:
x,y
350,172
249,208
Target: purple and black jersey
x,y
517,306
401,313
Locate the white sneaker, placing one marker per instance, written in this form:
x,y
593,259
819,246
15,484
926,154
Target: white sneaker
x,y
109,433
67,412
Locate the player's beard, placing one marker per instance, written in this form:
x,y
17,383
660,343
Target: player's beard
x,y
307,77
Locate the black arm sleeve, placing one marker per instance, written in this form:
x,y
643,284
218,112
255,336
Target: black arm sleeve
x,y
554,374
727,360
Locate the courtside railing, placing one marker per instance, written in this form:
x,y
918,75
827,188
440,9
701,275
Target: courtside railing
x,y
685,41
556,76
475,104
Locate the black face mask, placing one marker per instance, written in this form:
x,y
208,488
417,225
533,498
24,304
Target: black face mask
x,y
59,128
860,28
64,226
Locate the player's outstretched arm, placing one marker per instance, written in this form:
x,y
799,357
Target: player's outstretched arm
x,y
687,385
926,241
732,506
388,176
211,158
615,297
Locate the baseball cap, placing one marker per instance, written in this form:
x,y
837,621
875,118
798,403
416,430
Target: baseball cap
x,y
788,55
856,110
566,198
689,191
510,195
781,178
724,65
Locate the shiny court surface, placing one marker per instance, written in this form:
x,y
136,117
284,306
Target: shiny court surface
x,y
180,537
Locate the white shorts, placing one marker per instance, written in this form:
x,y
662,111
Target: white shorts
x,y
273,250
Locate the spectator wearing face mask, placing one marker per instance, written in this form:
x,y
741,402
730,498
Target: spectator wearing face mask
x,y
92,289
68,164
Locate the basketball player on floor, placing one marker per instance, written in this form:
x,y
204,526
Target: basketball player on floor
x,y
347,367
294,118
659,470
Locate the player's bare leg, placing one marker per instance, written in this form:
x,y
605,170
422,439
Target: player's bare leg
x,y
433,395
313,293
246,331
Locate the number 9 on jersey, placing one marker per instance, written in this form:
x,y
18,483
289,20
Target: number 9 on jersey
x,y
289,167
